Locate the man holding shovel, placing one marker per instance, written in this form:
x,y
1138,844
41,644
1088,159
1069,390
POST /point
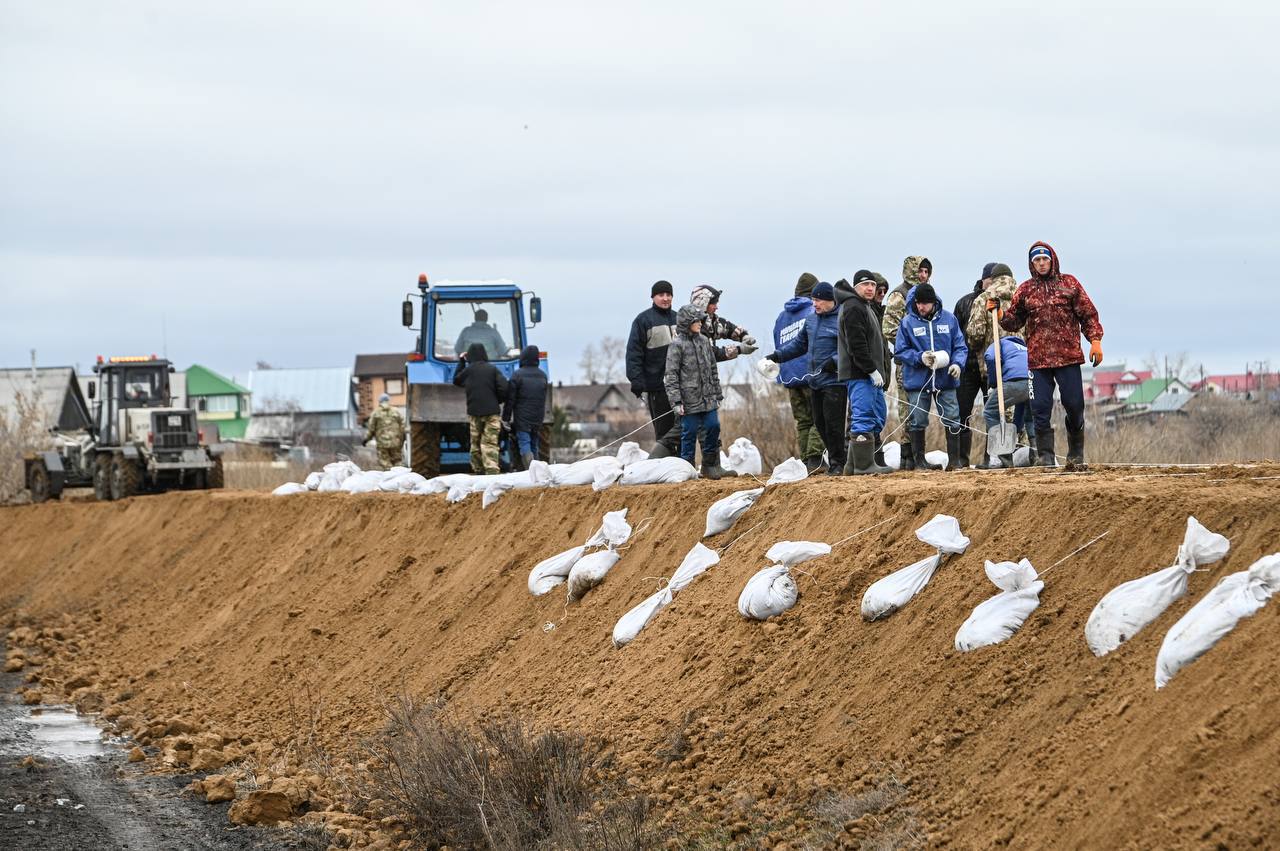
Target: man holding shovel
x,y
1055,310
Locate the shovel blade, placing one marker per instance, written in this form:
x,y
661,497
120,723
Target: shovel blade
x,y
1002,439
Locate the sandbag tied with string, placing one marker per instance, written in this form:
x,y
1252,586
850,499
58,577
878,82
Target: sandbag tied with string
x,y
773,590
725,512
591,569
614,531
696,562
1130,606
887,595
791,470
1238,596
998,618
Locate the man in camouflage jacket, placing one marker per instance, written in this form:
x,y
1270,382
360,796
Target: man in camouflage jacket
x,y
916,269
977,332
386,426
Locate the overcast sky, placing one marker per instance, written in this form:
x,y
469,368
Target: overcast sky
x,y
267,179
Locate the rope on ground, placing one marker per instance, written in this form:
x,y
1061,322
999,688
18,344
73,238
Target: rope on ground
x,y
860,531
725,548
1074,552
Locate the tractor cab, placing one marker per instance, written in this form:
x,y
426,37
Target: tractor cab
x,y
126,386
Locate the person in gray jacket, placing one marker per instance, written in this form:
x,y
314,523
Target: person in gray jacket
x,y
692,383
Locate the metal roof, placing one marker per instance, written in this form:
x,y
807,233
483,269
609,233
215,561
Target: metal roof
x,y
303,390
380,364
60,398
1170,402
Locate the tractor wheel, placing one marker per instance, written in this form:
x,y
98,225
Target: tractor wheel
x,y
102,478
124,478
214,479
544,443
38,482
424,449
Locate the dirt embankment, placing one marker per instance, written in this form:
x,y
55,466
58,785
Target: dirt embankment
x,y
250,614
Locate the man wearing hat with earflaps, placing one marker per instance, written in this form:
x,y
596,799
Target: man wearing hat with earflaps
x,y
1056,311
932,353
651,335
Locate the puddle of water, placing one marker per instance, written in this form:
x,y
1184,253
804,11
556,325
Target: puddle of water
x,y
59,731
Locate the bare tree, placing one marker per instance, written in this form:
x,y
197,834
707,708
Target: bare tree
x,y
613,358
590,363
1177,365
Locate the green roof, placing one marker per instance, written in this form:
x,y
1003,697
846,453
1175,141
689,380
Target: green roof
x,y
202,381
1147,391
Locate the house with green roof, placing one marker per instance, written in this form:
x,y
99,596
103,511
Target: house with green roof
x,y
1158,392
219,402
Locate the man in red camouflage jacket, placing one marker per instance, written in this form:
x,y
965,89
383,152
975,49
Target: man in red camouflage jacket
x,y
1055,310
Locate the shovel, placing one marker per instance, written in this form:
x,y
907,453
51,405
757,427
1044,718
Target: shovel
x,y
1002,439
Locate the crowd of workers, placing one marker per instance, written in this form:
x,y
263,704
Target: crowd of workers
x,y
837,345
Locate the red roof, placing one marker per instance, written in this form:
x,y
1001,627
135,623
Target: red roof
x,y
1105,383
1243,382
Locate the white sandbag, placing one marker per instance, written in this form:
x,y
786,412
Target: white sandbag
x,y
581,472
605,478
410,481
613,532
630,452
1130,606
998,618
743,458
366,482
695,563
725,512
493,493
892,455
390,482
550,572
312,482
791,553
768,369
590,571
887,595
289,489
458,493
340,471
937,456
1237,596
329,484
541,474
943,534
791,470
770,592
658,471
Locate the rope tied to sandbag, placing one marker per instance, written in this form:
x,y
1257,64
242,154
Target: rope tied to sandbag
x,y
1076,551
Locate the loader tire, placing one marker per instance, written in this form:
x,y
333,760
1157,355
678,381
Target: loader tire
x,y
424,449
38,482
124,478
214,478
102,478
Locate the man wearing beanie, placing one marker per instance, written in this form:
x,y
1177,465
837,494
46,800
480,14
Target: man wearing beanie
x,y
971,377
863,367
819,339
915,270
978,336
788,325
932,353
651,334
1055,310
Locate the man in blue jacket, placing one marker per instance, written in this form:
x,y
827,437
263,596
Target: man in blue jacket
x,y
829,396
788,325
1017,389
932,352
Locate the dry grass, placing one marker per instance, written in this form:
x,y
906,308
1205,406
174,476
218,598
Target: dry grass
x,y
873,820
23,429
498,785
255,468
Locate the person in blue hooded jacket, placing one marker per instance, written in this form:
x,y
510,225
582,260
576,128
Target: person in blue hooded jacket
x,y
829,396
786,327
1016,379
932,353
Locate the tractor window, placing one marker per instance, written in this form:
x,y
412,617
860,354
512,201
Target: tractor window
x,y
143,387
492,324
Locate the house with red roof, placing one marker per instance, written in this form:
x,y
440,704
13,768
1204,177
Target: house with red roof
x,y
1114,383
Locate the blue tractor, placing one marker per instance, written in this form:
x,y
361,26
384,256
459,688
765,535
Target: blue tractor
x,y
453,315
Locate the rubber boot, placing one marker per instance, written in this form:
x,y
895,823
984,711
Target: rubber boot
x,y
908,462
964,446
985,463
1007,461
954,460
879,454
660,450
862,461
1045,456
813,464
527,458
1075,450
715,472
917,449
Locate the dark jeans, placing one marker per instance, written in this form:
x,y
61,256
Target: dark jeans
x,y
1070,390
527,442
970,387
709,423
829,407
665,428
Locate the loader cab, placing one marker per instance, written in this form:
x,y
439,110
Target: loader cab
x,y
125,383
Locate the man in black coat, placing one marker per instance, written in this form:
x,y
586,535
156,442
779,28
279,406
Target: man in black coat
x,y
527,404
971,377
651,335
486,390
862,364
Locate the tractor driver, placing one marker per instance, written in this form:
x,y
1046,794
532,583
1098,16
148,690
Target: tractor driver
x,y
480,331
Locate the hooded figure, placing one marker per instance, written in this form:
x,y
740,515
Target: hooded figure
x,y
693,386
486,389
789,324
707,299
526,406
1056,311
895,307
932,353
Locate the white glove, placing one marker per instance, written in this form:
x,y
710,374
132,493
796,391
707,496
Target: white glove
x,y
746,347
954,370
678,410
750,341
877,379
927,359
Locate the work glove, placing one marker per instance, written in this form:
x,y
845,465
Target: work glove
x,y
993,304
772,356
954,370
746,347
678,410
877,379
637,389
731,352
749,340
928,359
1095,352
